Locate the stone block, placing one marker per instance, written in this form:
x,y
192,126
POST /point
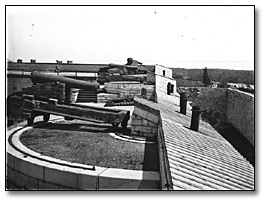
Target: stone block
x,y
30,166
143,129
10,173
133,132
87,180
25,181
145,122
140,112
152,118
154,130
61,175
151,124
47,186
136,122
10,160
151,135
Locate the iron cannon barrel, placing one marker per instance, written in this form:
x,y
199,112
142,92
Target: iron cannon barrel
x,y
74,83
121,65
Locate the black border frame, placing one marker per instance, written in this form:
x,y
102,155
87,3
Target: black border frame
x,y
171,191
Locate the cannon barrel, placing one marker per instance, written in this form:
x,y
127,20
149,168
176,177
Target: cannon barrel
x,y
121,65
74,83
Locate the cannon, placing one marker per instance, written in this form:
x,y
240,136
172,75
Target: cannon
x,y
37,77
69,83
123,66
46,95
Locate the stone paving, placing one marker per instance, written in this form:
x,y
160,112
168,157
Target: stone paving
x,y
201,160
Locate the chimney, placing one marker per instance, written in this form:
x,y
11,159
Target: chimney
x,y
183,103
58,62
69,62
195,118
19,61
33,61
169,88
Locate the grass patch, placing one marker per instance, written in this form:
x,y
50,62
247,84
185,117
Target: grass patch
x,y
86,143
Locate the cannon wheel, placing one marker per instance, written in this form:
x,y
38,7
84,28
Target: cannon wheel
x,y
46,117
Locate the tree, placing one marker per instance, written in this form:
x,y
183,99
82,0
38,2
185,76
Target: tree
x,y
206,79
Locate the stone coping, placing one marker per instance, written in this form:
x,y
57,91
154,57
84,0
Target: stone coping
x,y
53,171
146,105
129,139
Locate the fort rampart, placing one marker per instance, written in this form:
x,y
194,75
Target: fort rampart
x,y
235,107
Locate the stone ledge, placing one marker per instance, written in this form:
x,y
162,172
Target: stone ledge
x,y
35,174
146,105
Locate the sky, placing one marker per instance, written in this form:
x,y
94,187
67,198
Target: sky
x,y
173,36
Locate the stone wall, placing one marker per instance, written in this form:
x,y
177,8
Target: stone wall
x,y
160,69
130,89
162,82
104,97
145,119
33,171
240,113
233,106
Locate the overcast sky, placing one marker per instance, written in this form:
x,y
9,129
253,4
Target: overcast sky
x,y
177,36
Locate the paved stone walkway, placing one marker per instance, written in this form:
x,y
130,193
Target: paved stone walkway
x,y
201,160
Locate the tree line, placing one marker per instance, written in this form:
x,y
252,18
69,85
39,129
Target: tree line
x,y
218,75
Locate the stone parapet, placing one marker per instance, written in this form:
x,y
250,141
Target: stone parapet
x,y
233,106
240,113
145,118
33,171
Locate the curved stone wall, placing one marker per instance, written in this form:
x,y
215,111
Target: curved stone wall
x,y
33,171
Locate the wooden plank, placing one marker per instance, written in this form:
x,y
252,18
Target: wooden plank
x,y
79,113
71,116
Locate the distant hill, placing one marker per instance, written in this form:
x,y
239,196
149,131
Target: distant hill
x,y
218,75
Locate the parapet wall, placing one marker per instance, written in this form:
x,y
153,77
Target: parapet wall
x,y
33,171
234,107
147,122
240,112
145,119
